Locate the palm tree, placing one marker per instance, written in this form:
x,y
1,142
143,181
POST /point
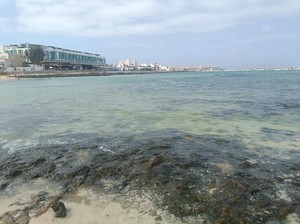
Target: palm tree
x,y
26,53
36,54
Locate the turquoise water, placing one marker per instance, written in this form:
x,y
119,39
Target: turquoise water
x,y
259,108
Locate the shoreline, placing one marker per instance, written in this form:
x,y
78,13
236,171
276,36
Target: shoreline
x,y
130,207
194,153
174,178
51,74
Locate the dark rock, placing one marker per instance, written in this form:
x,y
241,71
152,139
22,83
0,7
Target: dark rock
x,y
37,162
158,218
18,216
182,170
48,169
296,183
13,173
125,183
76,182
41,196
3,186
254,191
32,174
71,173
59,209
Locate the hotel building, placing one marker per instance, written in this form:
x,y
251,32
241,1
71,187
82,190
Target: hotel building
x,y
59,57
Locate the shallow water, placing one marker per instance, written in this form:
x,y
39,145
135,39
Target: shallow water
x,y
252,115
261,108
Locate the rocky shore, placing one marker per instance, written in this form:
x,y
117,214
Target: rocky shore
x,y
197,179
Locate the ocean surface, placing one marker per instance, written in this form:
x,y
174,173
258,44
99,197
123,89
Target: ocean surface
x,y
257,111
261,108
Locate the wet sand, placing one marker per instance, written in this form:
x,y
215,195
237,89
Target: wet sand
x,y
86,207
5,77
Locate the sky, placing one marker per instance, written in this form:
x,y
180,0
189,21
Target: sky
x,y
225,33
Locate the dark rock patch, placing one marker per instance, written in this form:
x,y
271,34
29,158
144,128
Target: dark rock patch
x,y
3,186
182,169
59,209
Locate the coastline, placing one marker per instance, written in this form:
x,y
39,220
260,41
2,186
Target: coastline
x,y
199,148
52,74
156,180
92,206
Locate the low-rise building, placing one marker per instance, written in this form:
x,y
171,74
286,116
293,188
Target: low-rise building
x,y
11,61
127,65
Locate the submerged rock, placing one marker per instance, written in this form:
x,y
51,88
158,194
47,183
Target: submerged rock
x,y
13,173
3,186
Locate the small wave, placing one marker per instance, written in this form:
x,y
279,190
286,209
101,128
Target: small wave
x,y
278,132
25,144
107,150
57,142
289,104
18,145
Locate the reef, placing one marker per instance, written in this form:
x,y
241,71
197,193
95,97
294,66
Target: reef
x,y
210,176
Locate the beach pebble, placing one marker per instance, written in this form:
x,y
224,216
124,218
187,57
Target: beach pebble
x,y
59,209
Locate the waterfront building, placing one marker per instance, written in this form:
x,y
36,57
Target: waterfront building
x,y
56,57
13,49
64,57
146,67
10,61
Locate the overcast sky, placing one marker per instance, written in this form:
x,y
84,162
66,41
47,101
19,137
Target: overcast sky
x,y
226,33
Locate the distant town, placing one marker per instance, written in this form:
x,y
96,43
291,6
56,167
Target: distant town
x,y
32,57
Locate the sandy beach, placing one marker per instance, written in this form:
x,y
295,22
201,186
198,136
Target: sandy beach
x,y
84,206
5,77
49,74
87,207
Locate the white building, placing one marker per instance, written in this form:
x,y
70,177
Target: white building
x,y
10,61
128,63
13,49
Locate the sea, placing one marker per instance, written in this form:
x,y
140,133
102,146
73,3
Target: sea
x,y
260,110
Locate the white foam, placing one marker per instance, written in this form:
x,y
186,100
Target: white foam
x,y
18,145
12,146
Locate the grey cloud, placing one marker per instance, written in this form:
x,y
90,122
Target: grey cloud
x,y
131,17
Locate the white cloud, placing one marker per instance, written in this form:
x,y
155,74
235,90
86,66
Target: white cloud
x,y
119,17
